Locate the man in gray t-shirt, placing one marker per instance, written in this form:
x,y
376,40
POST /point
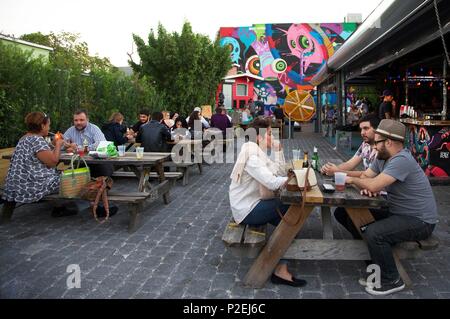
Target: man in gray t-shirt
x,y
412,213
411,193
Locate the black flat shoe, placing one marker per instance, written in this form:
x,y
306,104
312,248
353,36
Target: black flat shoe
x,y
294,283
101,212
62,212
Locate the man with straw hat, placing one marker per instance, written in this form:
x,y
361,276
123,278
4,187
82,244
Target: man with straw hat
x,y
412,213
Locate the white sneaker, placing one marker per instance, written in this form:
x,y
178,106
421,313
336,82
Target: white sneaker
x,y
362,281
387,288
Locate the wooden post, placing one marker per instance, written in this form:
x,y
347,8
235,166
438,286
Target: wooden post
x,y
276,247
160,170
327,224
135,217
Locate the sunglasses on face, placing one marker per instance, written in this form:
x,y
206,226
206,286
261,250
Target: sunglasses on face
x,y
379,141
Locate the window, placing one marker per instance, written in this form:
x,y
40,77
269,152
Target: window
x,y
241,90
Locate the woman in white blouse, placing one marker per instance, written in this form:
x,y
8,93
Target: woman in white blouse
x,y
254,178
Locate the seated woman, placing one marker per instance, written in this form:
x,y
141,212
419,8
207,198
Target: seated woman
x,y
32,172
180,130
247,117
196,126
168,121
115,131
253,177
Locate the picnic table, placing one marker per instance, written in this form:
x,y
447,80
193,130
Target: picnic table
x,y
141,167
145,193
282,243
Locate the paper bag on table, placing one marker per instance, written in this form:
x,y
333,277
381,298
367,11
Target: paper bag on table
x,y
298,183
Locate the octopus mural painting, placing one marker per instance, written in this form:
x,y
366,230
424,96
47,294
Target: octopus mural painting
x,y
286,56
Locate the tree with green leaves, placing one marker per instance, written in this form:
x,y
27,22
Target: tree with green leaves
x,y
185,68
60,86
68,50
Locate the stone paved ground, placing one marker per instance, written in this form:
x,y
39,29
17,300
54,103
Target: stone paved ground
x,y
178,252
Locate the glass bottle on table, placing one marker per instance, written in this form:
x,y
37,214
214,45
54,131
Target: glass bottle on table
x,y
85,146
315,159
305,159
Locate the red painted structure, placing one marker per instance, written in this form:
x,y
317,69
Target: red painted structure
x,y
235,80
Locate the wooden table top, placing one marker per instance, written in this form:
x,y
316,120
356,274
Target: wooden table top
x,y
129,159
351,197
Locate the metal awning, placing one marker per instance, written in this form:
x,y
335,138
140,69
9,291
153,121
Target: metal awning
x,y
406,25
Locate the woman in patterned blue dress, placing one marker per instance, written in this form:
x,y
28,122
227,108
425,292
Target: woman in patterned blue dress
x,y
32,172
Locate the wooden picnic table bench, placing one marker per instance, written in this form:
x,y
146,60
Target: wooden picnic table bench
x,y
171,176
146,193
282,242
244,240
136,201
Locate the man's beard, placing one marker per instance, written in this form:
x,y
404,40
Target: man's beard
x,y
383,155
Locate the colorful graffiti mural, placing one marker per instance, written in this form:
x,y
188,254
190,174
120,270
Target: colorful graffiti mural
x,y
430,147
287,56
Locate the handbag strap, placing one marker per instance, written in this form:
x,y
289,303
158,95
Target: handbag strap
x,y
305,190
101,193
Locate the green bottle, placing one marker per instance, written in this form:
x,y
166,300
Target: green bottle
x,y
315,159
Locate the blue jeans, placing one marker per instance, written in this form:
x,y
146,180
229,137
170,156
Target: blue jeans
x,y
266,212
382,235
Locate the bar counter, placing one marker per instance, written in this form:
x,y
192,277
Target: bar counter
x,y
423,122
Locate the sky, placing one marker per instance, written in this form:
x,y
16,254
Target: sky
x,y
107,25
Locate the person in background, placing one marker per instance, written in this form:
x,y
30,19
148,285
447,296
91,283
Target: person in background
x,y
144,117
167,120
205,123
196,130
386,109
246,118
366,154
254,175
330,121
180,122
252,107
32,172
279,118
353,117
84,133
115,131
174,116
155,135
180,130
220,120
259,107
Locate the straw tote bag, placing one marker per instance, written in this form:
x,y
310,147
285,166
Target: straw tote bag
x,y
74,179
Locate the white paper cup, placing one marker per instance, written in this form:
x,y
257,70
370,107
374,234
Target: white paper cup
x,y
121,150
139,152
339,181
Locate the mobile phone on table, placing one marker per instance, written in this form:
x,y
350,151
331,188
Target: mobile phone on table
x,y
328,188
